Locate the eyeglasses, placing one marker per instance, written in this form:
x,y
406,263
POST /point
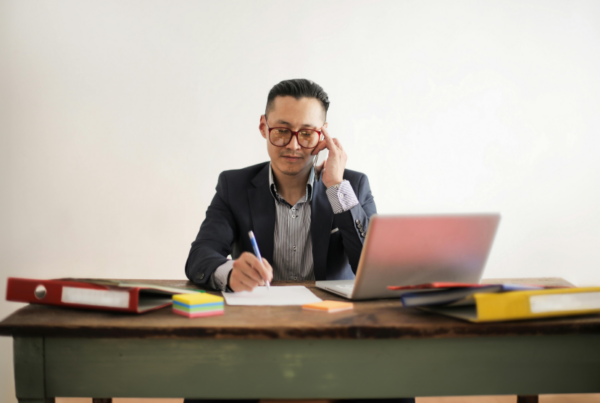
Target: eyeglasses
x,y
282,136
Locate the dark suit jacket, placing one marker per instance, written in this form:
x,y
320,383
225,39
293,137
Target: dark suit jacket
x,y
243,202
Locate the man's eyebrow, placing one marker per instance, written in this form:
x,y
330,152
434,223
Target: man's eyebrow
x,y
283,122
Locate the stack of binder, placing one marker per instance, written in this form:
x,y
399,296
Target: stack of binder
x,y
502,302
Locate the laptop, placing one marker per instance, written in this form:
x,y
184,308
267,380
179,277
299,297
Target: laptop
x,y
417,249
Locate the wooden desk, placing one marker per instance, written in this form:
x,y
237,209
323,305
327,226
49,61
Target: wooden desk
x,y
377,350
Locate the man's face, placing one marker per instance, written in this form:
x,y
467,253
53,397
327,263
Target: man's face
x,y
294,114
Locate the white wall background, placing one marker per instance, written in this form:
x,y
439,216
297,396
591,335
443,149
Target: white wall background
x,y
116,118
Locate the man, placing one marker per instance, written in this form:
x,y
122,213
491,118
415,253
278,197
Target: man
x,y
310,222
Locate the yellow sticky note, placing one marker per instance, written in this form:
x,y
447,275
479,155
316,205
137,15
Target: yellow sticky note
x,y
197,298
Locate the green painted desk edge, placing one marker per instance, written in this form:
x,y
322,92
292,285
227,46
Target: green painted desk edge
x,y
48,367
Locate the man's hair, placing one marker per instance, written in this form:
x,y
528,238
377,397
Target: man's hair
x,y
298,88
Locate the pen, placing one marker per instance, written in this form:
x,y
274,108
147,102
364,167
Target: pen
x,y
257,252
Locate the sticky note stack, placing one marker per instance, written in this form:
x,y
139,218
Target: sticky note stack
x,y
197,305
329,306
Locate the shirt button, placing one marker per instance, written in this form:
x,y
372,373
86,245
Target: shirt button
x,y
294,247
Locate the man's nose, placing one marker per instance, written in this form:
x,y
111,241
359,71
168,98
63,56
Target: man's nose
x,y
293,144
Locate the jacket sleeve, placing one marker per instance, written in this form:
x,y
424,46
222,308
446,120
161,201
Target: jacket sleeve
x,y
353,224
214,240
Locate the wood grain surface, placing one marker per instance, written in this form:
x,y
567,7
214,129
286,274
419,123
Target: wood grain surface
x,y
369,319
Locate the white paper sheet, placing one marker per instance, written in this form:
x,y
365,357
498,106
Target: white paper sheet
x,y
290,295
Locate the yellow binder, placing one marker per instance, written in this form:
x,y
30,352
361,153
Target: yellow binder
x,y
520,305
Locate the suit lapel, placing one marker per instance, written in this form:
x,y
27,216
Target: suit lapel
x,y
320,228
262,212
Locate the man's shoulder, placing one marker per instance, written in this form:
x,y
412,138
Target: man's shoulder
x,y
243,175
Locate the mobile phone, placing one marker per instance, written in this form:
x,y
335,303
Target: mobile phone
x,y
318,160
320,157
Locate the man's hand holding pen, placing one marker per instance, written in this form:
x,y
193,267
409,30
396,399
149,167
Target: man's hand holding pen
x,y
248,272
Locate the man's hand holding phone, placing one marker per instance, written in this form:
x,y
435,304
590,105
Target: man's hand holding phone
x,y
332,169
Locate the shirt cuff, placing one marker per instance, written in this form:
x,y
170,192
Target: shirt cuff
x,y
219,277
342,198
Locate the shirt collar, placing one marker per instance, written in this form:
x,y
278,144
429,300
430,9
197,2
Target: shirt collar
x,y
309,186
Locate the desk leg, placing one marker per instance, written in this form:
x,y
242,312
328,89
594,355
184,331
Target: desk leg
x,y
30,382
527,399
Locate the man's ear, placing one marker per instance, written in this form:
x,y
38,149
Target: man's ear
x,y
262,126
325,125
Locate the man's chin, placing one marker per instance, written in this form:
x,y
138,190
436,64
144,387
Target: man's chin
x,y
290,173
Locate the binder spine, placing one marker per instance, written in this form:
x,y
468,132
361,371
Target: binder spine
x,y
71,294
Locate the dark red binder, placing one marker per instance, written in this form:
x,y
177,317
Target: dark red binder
x,y
93,294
